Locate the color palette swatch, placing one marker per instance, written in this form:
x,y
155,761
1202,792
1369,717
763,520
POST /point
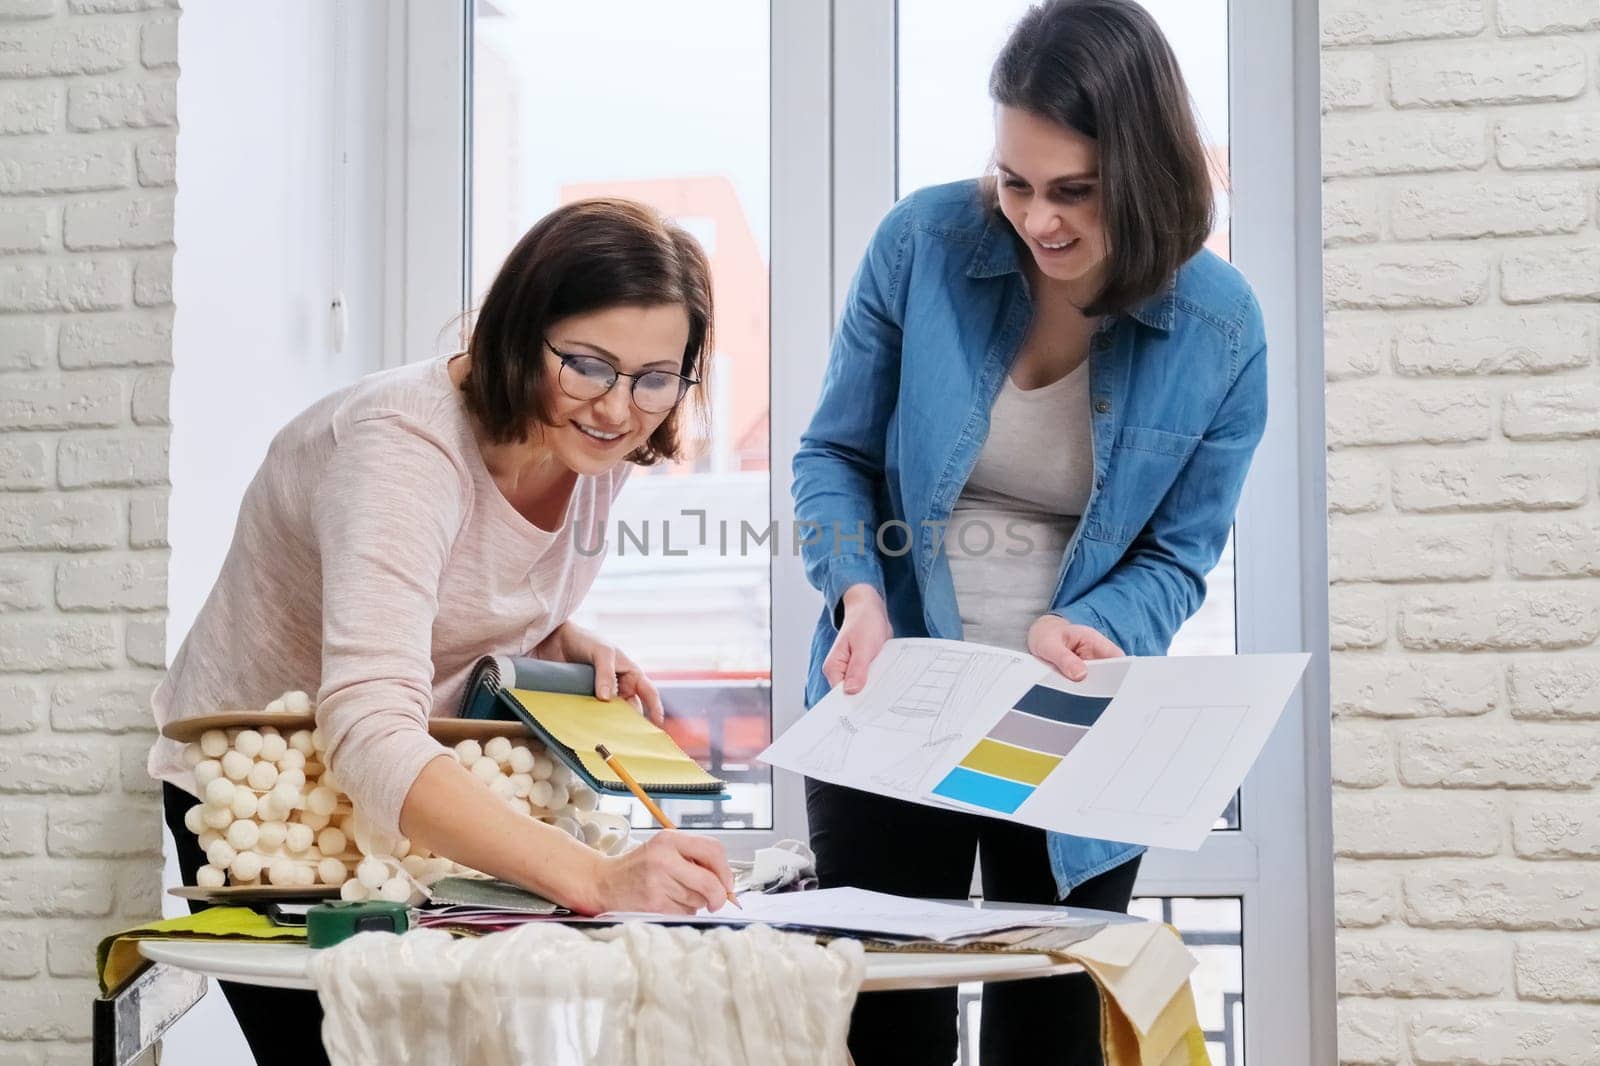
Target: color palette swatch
x,y
1021,749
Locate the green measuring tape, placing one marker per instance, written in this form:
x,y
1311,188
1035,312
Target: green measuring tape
x,y
328,924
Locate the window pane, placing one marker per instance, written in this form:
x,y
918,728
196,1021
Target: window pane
x,y
578,100
946,133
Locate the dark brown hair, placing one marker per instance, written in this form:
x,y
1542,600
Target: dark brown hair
x,y
1104,69
585,256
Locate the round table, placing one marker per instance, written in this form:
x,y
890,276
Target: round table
x,y
284,965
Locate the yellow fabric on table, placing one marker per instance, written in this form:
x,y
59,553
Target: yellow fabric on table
x,y
581,722
1170,1033
118,957
1175,1039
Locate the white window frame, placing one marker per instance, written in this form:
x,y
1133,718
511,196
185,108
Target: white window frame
x,y
426,267
801,285
833,157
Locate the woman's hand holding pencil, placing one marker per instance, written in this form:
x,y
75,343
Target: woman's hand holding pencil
x,y
702,850
671,873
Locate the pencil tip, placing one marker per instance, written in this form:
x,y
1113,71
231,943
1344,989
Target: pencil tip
x,y
601,748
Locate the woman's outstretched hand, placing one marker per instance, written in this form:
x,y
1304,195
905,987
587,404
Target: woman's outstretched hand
x,y
1067,646
614,673
861,637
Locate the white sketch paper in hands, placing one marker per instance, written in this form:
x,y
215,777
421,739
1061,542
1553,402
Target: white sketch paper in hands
x,y
922,698
1145,750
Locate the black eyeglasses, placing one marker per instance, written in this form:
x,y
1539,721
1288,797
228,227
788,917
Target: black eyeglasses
x,y
588,377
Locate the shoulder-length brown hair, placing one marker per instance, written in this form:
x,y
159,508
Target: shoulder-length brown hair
x,y
1104,69
585,256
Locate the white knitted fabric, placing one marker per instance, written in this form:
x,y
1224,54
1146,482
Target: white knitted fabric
x,y
632,995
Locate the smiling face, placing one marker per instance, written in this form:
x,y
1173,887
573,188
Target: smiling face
x,y
1049,191
592,436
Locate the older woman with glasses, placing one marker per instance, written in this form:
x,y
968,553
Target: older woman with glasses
x,y
431,514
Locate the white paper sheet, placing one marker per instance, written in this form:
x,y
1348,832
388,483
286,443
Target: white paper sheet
x,y
1145,750
855,910
921,699
1164,758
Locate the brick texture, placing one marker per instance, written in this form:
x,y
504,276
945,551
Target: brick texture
x,y
1461,143
87,144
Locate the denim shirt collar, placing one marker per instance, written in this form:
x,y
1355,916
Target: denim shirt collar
x,y
996,255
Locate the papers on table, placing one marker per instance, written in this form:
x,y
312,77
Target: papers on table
x,y
1145,750
873,914
479,920
848,911
484,905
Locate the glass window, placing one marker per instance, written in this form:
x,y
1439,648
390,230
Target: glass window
x,y
578,100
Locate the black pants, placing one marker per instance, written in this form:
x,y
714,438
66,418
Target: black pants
x,y
279,1024
888,845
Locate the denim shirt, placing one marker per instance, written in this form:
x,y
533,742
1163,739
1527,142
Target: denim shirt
x,y
935,316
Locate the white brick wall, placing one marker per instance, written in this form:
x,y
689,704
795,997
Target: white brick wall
x,y
1461,162
87,134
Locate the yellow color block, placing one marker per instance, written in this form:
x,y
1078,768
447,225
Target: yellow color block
x,y
1010,762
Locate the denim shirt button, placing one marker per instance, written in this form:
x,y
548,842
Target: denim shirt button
x,y
1102,407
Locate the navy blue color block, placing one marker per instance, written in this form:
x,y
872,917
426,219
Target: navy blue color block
x,y
1060,706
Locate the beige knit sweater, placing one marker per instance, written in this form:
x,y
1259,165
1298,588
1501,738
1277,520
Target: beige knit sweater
x,y
373,562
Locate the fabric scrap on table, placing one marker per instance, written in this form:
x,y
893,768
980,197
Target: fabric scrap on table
x,y
629,995
1147,1010
787,866
118,961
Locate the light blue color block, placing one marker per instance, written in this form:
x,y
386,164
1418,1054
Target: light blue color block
x,y
981,790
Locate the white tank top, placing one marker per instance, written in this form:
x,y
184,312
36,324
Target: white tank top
x,y
1010,526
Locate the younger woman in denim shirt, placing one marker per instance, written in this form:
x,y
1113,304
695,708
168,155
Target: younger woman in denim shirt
x,y
1048,381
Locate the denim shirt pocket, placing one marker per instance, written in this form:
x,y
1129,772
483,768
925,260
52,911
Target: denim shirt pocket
x,y
1144,464
1160,441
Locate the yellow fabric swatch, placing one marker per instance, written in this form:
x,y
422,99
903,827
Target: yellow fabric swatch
x,y
581,722
118,955
1174,1038
1010,762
